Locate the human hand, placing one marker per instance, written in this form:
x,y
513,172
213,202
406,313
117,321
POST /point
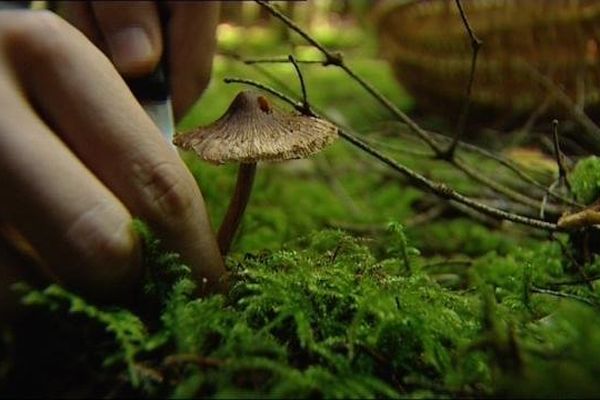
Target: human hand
x,y
79,157
129,33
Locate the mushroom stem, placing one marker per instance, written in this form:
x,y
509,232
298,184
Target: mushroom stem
x,y
237,205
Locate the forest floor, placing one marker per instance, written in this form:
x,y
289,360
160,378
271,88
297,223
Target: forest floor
x,y
348,281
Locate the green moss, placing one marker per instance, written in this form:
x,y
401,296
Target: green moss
x,y
585,180
326,316
328,298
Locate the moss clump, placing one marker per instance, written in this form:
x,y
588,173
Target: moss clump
x,y
328,321
327,316
585,180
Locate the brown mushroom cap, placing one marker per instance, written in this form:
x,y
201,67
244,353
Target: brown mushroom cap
x,y
252,130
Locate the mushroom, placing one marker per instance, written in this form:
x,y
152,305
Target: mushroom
x,y
252,130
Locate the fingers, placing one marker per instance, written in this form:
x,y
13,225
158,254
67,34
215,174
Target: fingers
x,y
101,123
129,32
80,15
192,46
132,32
68,215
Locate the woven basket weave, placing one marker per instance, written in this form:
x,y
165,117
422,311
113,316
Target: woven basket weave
x,y
429,49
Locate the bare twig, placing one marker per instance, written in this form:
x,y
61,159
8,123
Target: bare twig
x,y
564,295
475,41
576,281
562,171
511,194
462,120
592,130
537,113
483,219
399,148
458,164
545,199
280,60
500,188
509,164
426,216
337,60
569,254
440,189
324,169
305,106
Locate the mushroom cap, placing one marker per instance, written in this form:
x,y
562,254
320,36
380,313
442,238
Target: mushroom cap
x,y
252,130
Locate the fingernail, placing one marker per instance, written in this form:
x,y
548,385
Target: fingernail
x,y
130,48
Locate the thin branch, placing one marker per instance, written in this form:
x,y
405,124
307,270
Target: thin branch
x,y
306,107
444,191
426,216
537,113
592,130
562,171
462,120
564,295
569,254
440,189
464,145
280,60
483,219
423,134
475,41
278,14
399,148
324,169
509,164
493,184
266,88
576,281
500,188
503,161
337,60
545,199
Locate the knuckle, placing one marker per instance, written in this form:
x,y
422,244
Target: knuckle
x,y
100,239
166,191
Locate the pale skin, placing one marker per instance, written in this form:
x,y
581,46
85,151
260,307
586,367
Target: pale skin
x,y
79,158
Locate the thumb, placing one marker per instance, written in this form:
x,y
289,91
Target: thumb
x,y
132,32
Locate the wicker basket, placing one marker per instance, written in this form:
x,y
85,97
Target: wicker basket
x,y
429,49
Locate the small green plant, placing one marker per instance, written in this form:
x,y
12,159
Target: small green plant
x,y
399,245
